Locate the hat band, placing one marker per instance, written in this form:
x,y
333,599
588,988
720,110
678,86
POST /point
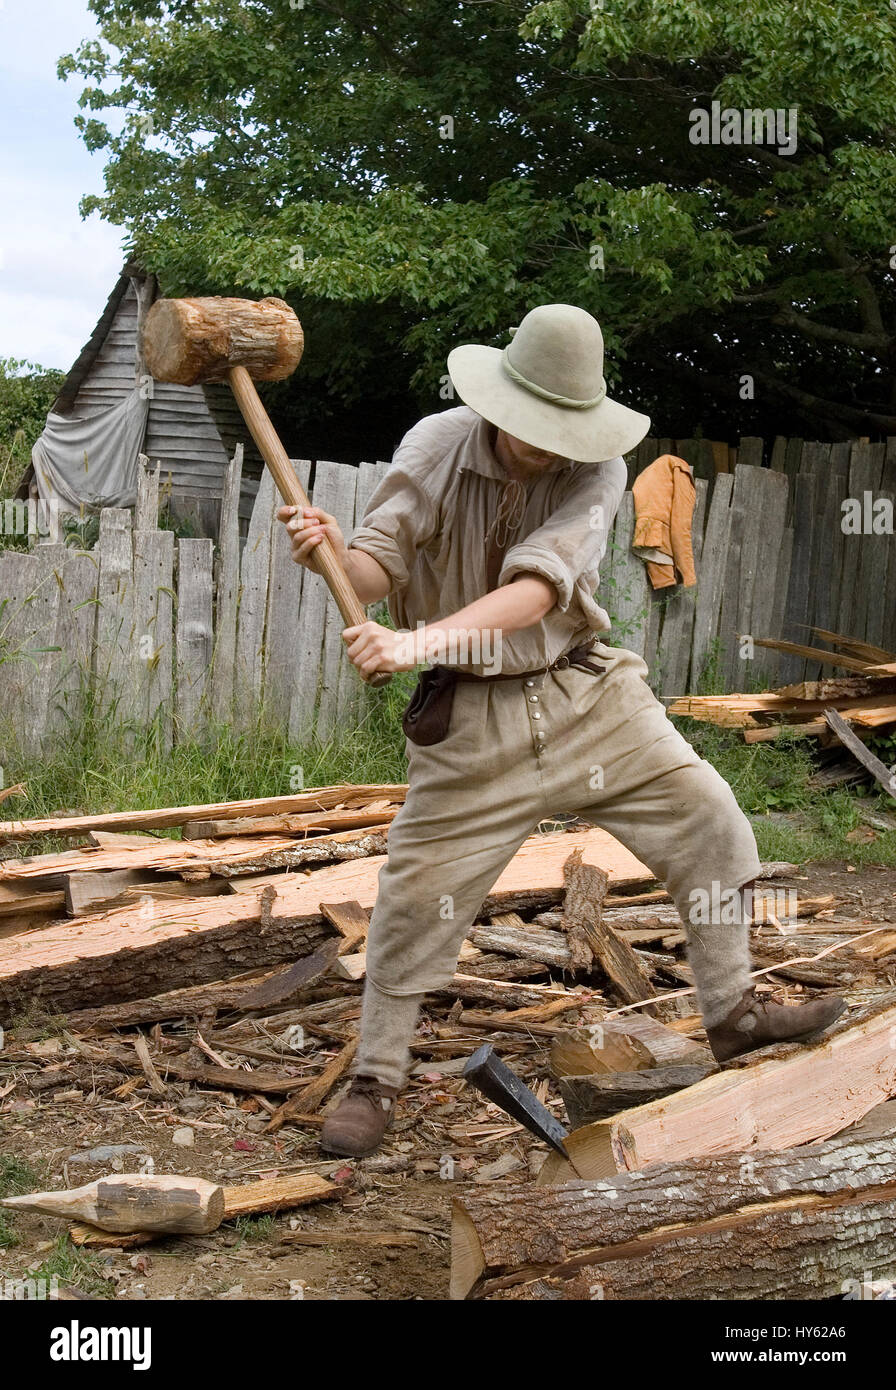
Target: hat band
x,y
552,396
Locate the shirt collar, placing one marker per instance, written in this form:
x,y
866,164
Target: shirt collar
x,y
479,456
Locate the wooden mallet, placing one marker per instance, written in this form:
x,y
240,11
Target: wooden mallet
x,y
188,341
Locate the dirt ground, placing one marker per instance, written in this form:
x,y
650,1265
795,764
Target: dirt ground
x,y
444,1138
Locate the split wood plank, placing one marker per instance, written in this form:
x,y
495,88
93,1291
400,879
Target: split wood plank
x,y
334,490
627,580
146,509
798,609
673,650
353,697
75,624
749,1106
312,799
711,580
29,608
771,490
254,570
122,955
879,771
115,612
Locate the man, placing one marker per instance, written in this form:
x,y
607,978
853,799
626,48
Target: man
x,y
486,535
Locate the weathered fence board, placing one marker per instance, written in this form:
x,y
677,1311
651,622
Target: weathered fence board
x,y
227,589
115,612
259,638
285,612
74,636
334,490
711,579
195,604
153,619
254,570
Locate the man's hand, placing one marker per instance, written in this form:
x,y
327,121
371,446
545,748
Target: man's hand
x,y
307,527
372,647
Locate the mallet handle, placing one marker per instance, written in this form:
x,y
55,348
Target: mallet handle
x,y
326,560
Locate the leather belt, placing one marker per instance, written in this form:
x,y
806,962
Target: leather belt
x,y
576,656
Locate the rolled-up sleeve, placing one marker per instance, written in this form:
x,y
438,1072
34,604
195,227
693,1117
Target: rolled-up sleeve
x,y
401,517
568,548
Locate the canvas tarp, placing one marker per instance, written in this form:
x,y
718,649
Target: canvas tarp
x,y
91,463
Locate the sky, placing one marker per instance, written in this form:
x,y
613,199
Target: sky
x,y
56,270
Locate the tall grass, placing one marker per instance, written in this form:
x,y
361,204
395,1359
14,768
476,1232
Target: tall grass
x,y
105,765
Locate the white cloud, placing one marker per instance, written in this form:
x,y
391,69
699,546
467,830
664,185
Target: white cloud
x,y
56,270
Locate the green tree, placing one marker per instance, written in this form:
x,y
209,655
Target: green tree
x,y
26,393
415,175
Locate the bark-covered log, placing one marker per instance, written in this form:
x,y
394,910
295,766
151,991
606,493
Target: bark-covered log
x,y
133,953
774,1098
756,1225
590,1098
631,1042
586,888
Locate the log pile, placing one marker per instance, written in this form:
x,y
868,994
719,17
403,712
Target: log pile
x,y
865,697
228,965
766,1225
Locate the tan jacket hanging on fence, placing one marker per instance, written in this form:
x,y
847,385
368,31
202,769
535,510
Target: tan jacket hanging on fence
x,y
664,497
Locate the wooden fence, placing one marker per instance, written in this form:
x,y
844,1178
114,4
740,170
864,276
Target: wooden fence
x,y
772,560
172,633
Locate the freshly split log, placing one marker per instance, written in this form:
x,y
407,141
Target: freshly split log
x,y
134,1202
631,1042
590,1098
586,887
126,954
246,1199
269,990
758,1225
772,1099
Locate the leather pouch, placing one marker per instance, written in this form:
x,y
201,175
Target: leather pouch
x,y
427,718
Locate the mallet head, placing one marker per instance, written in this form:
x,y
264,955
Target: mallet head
x,y
187,341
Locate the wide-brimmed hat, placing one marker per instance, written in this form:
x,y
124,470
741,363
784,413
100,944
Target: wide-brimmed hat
x,y
547,387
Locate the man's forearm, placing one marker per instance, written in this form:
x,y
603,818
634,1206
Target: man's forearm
x,y
520,604
369,580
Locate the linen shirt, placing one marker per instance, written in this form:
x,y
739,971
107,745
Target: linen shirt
x,y
427,525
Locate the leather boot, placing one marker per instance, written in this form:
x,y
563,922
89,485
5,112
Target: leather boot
x,y
359,1122
755,1023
